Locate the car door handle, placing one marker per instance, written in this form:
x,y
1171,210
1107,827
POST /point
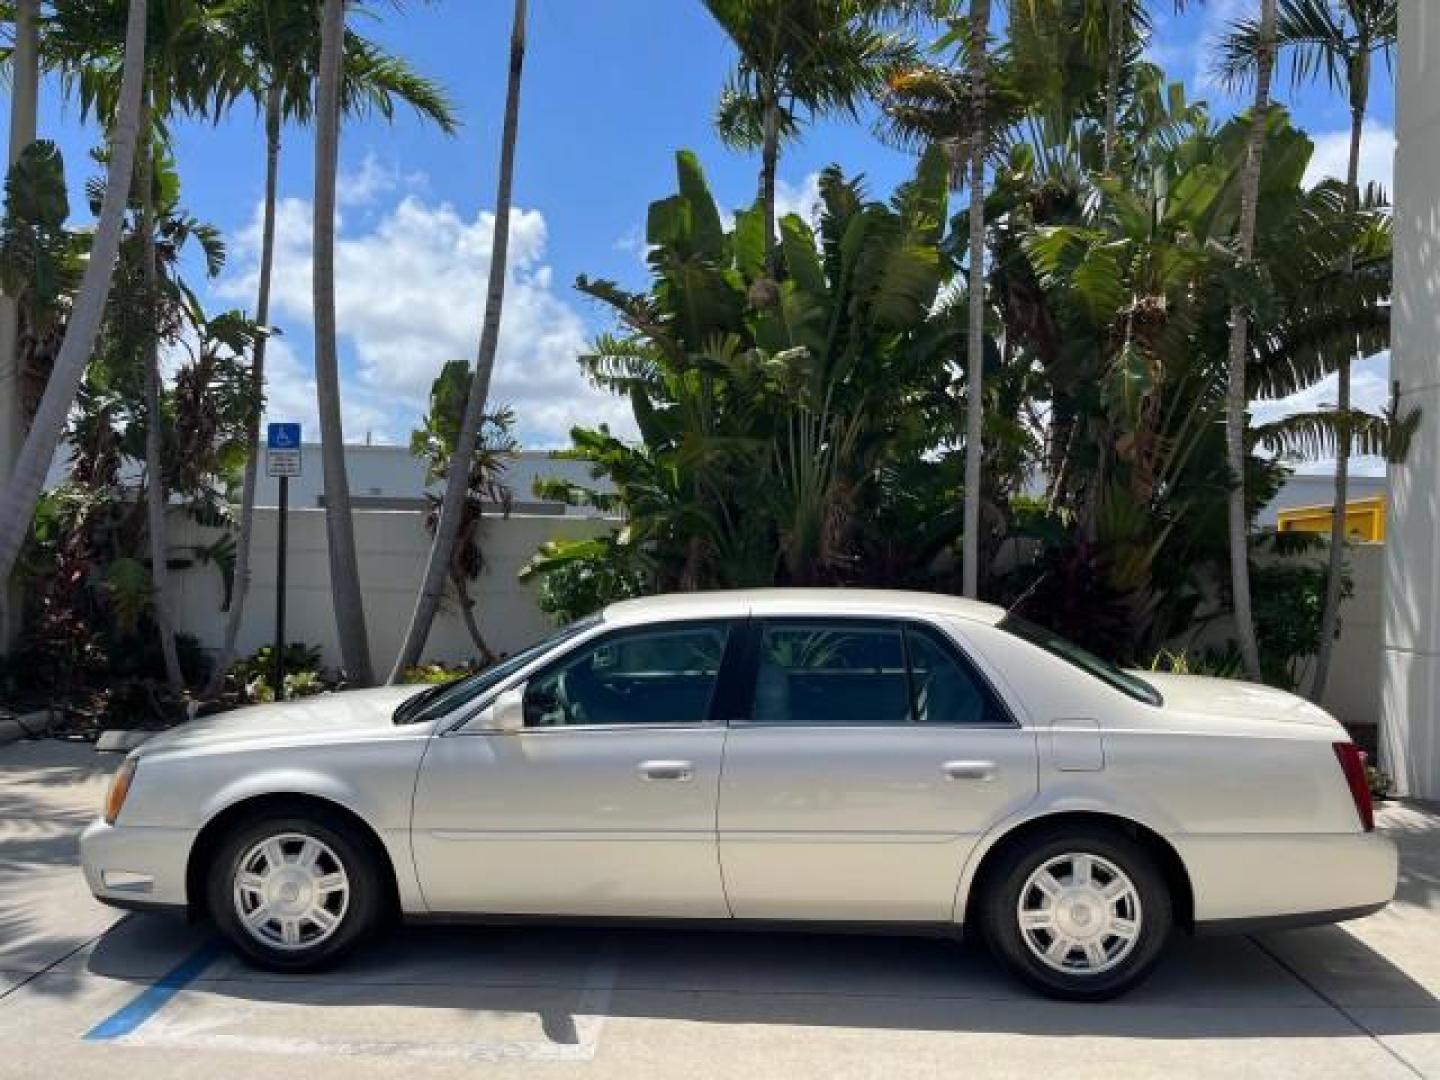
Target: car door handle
x,y
666,770
970,770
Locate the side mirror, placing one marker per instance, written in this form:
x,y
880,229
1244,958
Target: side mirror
x,y
505,714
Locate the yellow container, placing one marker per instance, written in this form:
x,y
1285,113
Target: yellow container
x,y
1364,519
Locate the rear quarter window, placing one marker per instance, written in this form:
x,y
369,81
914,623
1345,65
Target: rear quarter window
x,y
1117,678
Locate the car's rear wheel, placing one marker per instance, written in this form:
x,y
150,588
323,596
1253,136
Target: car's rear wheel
x,y
1081,914
295,893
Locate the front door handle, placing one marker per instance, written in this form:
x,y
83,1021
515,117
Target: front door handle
x,y
667,770
970,770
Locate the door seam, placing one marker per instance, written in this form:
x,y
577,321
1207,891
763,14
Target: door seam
x,y
719,792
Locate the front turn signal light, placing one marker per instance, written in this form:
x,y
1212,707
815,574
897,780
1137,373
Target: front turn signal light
x,y
119,788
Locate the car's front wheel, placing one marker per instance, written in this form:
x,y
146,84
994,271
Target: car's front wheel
x,y
295,893
1081,914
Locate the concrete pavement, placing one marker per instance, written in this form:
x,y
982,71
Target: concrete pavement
x,y
1353,1001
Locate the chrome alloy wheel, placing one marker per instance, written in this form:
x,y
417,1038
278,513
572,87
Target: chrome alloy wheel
x,y
291,891
1079,914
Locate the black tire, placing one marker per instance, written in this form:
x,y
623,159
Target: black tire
x,y
357,915
1132,959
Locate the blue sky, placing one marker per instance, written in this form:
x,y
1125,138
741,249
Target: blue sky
x,y
611,91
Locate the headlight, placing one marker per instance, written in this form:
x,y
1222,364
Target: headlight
x,y
119,788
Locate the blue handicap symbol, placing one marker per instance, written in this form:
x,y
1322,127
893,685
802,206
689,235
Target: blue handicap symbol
x,y
283,437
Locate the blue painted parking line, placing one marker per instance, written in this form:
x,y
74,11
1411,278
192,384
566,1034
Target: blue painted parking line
x,y
154,997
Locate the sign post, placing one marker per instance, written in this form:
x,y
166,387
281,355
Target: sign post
x,y
282,460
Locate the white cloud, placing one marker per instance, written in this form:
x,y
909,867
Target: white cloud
x,y
365,185
1377,156
802,198
1369,390
410,290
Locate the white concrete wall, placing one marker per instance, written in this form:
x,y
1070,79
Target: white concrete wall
x,y
1352,691
392,548
1410,731
393,472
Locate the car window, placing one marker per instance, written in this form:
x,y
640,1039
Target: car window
x,y
946,688
831,672
665,675
836,672
1126,682
444,698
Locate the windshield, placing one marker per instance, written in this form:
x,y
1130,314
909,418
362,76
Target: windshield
x,y
1128,684
447,697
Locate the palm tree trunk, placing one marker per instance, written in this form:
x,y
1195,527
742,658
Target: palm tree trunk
x,y
22,491
1335,564
155,500
24,90
236,614
339,526
1115,54
467,615
769,164
975,344
457,476
1237,397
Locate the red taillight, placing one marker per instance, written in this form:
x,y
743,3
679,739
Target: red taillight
x,y
1352,764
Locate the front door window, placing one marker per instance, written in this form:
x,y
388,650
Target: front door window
x,y
665,675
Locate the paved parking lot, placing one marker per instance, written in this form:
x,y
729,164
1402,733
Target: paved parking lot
x,y
86,991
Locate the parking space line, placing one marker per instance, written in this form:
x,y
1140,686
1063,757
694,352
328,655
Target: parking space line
x,y
154,997
569,1036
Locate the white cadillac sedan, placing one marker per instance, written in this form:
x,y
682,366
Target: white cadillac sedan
x,y
839,757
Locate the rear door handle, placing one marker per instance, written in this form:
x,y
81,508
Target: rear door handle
x,y
667,770
970,770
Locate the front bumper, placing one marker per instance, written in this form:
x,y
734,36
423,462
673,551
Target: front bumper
x,y
136,867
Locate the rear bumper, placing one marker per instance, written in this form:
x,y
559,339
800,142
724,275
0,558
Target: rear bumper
x,y
1244,882
138,868
1264,923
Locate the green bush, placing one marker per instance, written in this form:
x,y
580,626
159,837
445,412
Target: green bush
x,y
437,672
299,657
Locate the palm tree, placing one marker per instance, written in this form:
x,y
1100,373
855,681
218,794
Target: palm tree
x,y
24,90
977,55
800,59
434,443
339,525
22,490
1109,30
457,480
280,40
155,494
1337,39
1237,398
186,68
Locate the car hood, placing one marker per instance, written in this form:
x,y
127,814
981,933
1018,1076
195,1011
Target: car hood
x,y
1200,695
319,718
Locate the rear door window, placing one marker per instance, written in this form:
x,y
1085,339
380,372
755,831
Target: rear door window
x,y
831,672
852,672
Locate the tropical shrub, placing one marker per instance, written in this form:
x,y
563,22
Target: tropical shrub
x,y
778,412
438,672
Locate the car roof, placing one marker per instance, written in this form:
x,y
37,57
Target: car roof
x,y
738,602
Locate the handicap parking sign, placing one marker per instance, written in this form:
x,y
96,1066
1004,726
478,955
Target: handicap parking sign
x,y
282,445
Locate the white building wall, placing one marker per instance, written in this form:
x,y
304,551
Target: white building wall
x,y
392,472
392,547
1410,697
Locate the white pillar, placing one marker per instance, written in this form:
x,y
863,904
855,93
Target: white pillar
x,y
1410,680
